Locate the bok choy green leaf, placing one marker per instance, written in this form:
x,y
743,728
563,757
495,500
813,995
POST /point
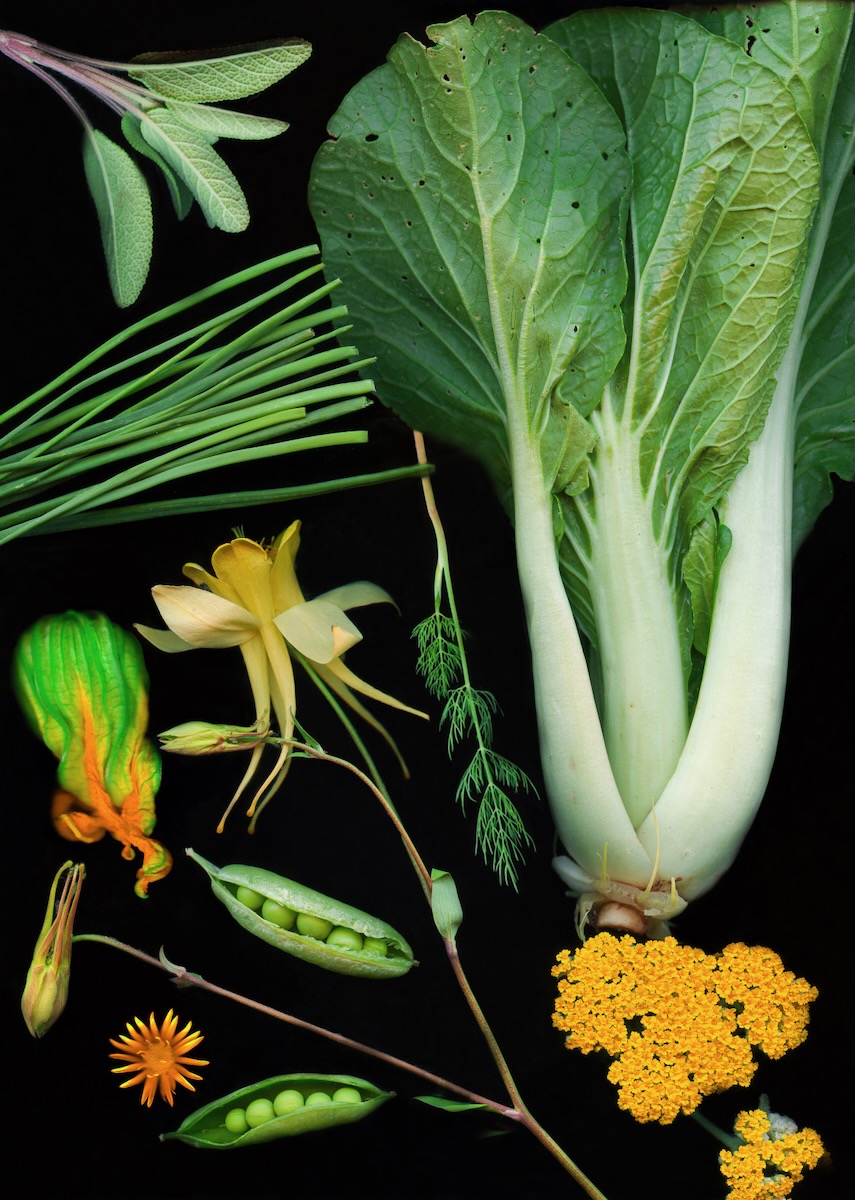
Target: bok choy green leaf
x,y
608,260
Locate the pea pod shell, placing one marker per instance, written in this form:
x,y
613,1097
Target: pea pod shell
x,y
304,900
206,1127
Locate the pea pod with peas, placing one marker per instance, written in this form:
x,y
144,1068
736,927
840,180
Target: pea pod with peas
x,y
308,924
282,1106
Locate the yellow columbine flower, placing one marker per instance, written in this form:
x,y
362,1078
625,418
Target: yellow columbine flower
x,y
157,1057
772,1159
46,989
679,1023
253,601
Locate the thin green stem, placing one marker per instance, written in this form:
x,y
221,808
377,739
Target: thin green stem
x,y
385,802
233,500
730,1140
513,1091
443,571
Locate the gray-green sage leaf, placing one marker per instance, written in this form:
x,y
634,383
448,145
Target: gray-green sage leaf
x,y
123,204
197,164
230,76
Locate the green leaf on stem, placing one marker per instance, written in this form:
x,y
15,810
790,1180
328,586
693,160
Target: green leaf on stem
x,y
451,1105
241,71
123,204
197,164
179,193
224,122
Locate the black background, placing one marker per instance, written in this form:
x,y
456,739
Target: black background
x,y
69,1126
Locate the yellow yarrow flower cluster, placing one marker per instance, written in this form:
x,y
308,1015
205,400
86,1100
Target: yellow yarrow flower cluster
x,y
771,1144
679,1023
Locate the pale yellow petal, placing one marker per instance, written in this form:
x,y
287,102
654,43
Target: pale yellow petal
x,y
318,629
164,639
205,579
343,691
288,541
355,595
203,619
283,579
337,670
244,566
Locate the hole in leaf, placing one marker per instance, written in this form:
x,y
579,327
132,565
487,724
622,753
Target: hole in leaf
x,y
371,137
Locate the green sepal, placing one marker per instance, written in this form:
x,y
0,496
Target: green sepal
x,y
226,880
445,904
205,1128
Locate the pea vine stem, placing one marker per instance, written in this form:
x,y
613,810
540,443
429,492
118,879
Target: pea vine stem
x,y
519,1107
519,1111
185,978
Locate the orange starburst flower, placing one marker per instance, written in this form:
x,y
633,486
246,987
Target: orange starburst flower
x,y
156,1057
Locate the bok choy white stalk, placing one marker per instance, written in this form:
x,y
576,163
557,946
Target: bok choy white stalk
x,y
610,260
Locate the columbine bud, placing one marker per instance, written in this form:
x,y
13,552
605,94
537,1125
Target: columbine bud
x,y
46,989
201,737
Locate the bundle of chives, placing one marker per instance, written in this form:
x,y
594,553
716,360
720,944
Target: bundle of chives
x,y
249,383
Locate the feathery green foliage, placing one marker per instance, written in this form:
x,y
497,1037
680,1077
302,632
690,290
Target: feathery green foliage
x,y
490,780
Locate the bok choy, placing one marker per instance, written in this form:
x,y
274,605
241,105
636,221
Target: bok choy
x,y
611,261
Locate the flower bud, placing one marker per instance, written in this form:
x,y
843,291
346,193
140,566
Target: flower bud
x,y
201,737
46,989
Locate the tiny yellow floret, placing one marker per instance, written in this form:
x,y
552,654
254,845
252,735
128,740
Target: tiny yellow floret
x,y
679,1023
784,1155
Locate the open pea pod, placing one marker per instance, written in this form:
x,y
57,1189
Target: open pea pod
x,y
307,924
295,1104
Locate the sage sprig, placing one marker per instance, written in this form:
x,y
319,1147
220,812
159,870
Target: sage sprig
x,y
237,386
163,101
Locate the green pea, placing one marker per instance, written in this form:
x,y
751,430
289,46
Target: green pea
x,y
250,898
315,1098
259,1111
348,939
347,1095
287,1101
375,946
236,1122
278,914
316,927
